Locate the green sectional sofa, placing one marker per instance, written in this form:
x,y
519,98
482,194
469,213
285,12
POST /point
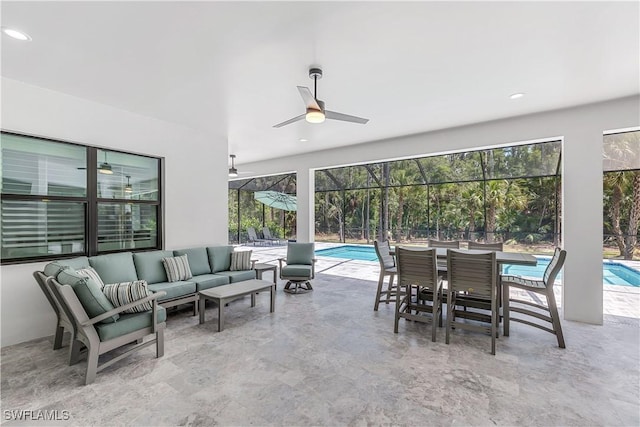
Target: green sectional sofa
x,y
210,267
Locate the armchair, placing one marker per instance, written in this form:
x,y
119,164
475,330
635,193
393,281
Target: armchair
x,y
298,268
100,338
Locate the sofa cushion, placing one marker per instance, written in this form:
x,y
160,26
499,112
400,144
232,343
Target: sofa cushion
x,y
177,268
240,261
198,260
238,276
91,274
296,270
173,289
123,293
300,253
149,266
129,323
89,294
55,267
219,258
115,268
206,281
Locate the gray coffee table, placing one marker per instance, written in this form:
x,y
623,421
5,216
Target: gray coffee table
x,y
221,295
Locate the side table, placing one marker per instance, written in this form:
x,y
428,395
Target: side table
x,y
261,268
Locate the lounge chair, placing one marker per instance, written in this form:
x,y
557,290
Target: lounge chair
x,y
253,236
267,235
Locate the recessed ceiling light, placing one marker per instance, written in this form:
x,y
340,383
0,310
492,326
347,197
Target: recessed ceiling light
x,y
18,35
516,95
303,140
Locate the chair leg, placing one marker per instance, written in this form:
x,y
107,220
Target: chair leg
x,y
57,338
92,366
391,277
159,343
450,304
195,308
555,317
505,309
434,314
494,324
399,302
379,291
74,351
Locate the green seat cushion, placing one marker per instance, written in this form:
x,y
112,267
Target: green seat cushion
x,y
198,260
206,281
89,294
219,258
55,267
296,270
129,323
300,253
115,268
238,276
149,265
174,289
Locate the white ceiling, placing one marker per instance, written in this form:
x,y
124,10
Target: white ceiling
x,y
230,70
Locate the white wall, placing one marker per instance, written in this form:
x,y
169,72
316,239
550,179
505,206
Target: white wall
x,y
581,129
195,183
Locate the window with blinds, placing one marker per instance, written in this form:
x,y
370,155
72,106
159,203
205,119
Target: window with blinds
x,y
62,199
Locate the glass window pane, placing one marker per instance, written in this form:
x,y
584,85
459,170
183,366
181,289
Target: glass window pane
x,y
127,176
622,151
36,228
522,160
38,167
127,226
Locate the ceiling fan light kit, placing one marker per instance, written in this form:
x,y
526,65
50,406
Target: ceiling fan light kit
x,y
316,112
233,172
105,168
128,188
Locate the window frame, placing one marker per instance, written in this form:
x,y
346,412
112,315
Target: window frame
x,y
91,202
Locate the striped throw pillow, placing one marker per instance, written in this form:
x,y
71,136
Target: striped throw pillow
x,y
177,268
123,293
240,260
91,273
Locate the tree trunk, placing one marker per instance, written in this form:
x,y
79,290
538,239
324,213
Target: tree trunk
x,y
616,201
491,223
634,219
399,216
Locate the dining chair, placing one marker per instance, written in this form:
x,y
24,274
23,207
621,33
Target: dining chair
x,y
387,268
449,244
543,287
418,270
472,280
497,246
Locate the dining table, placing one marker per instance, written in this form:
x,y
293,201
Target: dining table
x,y
513,258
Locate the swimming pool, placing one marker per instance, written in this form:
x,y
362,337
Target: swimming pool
x,y
613,273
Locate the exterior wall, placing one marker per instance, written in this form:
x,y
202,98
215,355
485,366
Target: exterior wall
x,y
581,129
195,184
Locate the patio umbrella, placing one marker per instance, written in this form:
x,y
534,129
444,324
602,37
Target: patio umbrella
x,y
276,200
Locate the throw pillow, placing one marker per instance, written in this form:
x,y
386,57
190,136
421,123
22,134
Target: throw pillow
x,y
90,273
240,260
123,293
177,268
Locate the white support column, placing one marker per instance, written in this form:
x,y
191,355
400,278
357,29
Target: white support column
x,y
582,224
305,193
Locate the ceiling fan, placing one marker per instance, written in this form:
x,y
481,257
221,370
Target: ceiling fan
x,y
104,167
315,108
233,171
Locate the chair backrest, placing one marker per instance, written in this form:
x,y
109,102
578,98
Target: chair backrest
x,y
473,273
41,279
453,244
498,246
383,252
251,232
267,233
554,267
71,305
417,267
300,253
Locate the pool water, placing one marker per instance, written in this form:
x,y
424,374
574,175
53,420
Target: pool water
x,y
613,273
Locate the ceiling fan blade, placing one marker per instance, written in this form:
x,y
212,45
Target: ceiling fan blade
x,y
288,122
344,117
308,98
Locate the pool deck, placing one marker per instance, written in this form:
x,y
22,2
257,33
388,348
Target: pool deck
x,y
618,301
